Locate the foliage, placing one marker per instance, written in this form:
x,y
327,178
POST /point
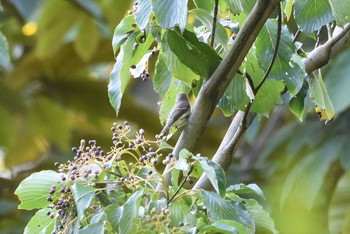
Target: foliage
x,y
52,92
100,191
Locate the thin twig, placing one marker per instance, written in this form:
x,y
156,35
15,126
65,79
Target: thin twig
x,y
296,35
318,38
181,185
216,7
250,81
279,29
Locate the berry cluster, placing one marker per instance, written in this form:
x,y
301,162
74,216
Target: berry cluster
x,y
62,208
144,75
130,165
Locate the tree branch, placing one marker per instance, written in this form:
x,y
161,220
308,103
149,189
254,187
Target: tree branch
x,y
214,88
322,54
224,155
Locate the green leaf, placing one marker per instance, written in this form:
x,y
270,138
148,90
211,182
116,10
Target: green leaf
x,y
319,95
220,209
24,9
311,15
83,195
144,41
124,29
286,66
34,190
242,189
180,211
207,5
120,74
297,103
7,130
141,66
52,27
56,126
337,81
267,97
289,9
339,209
144,8
308,175
341,11
182,163
215,174
238,6
130,212
91,7
177,69
4,53
226,227
207,20
114,213
196,55
170,13
261,217
87,39
162,76
93,228
235,96
40,223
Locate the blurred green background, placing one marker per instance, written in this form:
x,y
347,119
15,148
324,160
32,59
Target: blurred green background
x,y
54,93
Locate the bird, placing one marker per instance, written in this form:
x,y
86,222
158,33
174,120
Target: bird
x,y
178,114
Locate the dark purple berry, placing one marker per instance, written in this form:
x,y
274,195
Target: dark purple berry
x,y
49,198
138,141
52,216
120,127
74,149
56,164
113,129
154,161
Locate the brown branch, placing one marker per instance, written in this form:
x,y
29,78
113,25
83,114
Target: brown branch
x,y
322,54
216,85
241,122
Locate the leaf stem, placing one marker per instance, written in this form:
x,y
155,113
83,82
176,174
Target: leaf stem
x,y
181,185
216,7
279,29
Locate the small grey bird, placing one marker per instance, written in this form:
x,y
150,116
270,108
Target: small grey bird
x,y
178,115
